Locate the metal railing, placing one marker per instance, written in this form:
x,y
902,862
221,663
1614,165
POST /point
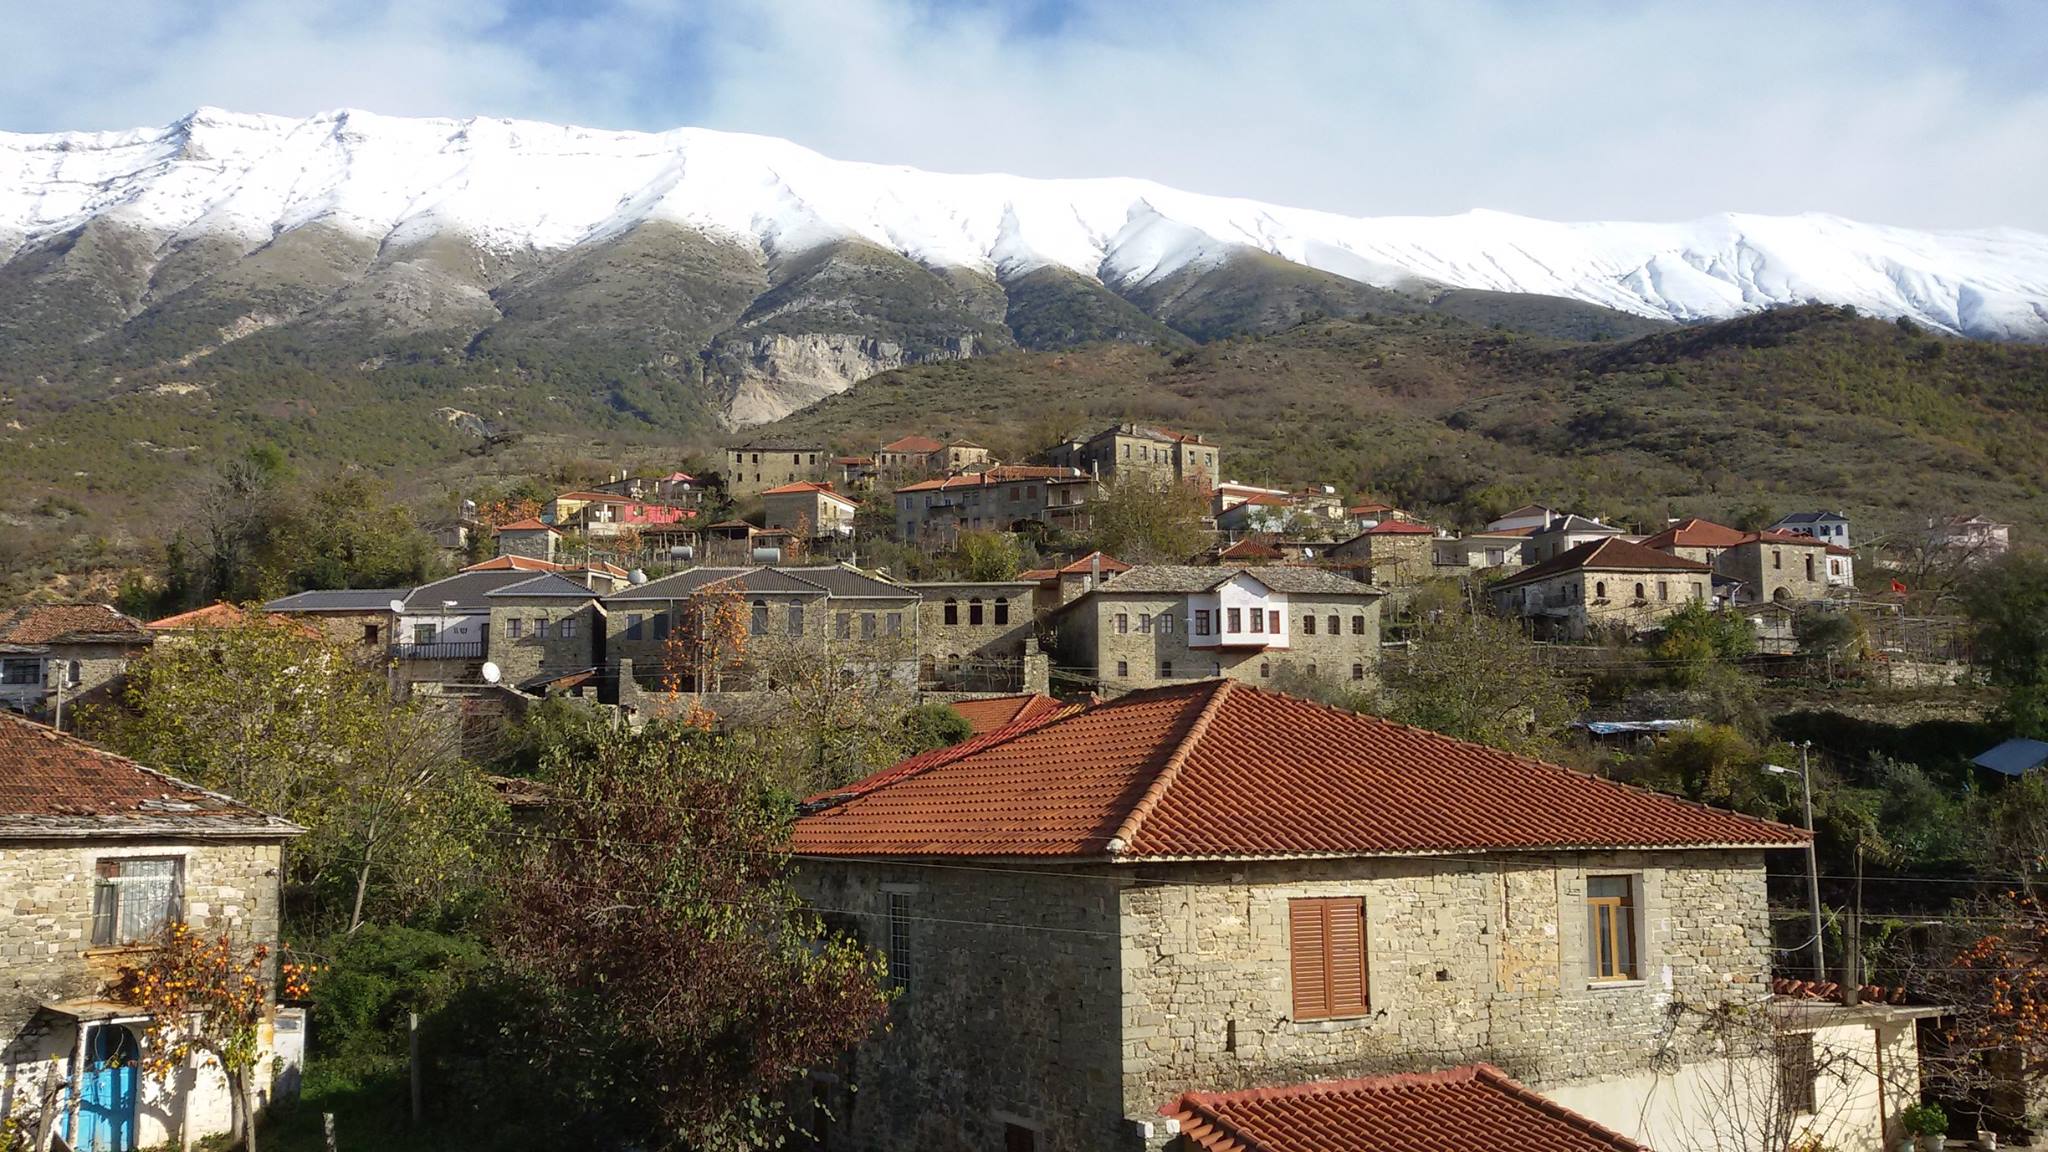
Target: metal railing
x,y
472,650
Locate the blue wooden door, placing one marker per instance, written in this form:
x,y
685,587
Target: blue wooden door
x,y
106,1098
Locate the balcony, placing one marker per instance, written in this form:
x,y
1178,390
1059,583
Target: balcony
x,y
473,650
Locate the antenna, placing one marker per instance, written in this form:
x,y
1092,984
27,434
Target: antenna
x,y
491,673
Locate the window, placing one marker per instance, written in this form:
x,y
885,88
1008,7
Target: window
x,y
1017,1138
899,940
1663,590
796,619
421,634
1358,671
1610,928
1308,625
370,633
540,627
1123,669
566,630
1258,619
661,626
1233,620
1777,558
1796,1072
1809,567
134,897
1311,670
1599,590
1265,670
1002,610
1201,621
1144,623
1326,957
952,611
1123,623
1273,621
895,622
1166,669
1699,592
1336,625
1640,594
634,622
974,612
842,626
867,625
1358,625
1166,623
757,624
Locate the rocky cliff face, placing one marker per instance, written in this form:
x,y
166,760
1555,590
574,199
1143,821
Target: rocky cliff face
x,y
780,374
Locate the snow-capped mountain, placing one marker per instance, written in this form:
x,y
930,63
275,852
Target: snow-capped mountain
x,y
514,185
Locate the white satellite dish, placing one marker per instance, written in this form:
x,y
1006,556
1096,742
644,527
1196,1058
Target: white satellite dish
x,y
491,673
398,607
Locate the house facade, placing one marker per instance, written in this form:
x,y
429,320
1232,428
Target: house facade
x,y
97,854
1001,499
543,629
1126,451
1762,567
974,636
1564,533
1167,623
1395,552
1606,583
1827,527
1230,889
68,649
754,467
530,537
811,510
358,619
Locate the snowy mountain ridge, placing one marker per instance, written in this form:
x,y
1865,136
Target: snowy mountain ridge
x,y
520,186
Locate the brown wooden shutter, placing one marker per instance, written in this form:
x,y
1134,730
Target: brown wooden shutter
x,y
1306,944
1345,920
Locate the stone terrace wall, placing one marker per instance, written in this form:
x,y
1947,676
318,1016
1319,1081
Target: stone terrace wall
x,y
1467,960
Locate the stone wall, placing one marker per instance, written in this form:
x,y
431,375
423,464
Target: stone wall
x,y
1085,637
966,656
1466,960
1009,1016
752,468
1777,571
531,654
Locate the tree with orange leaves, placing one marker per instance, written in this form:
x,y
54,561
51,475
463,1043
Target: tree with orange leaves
x,y
709,638
207,998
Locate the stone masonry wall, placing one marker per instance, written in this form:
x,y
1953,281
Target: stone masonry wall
x,y
1009,1016
528,655
1466,960
1777,571
1086,636
990,654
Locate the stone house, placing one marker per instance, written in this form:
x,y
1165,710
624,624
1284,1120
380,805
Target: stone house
x,y
97,854
1161,623
750,468
528,537
1564,533
1975,538
1136,450
543,629
811,510
1607,583
1068,582
837,613
853,473
1762,567
358,619
1827,527
1002,499
973,636
1393,552
1476,551
47,649
441,632
911,455
1209,888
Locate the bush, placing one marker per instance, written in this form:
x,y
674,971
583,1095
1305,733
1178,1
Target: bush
x,y
1925,1120
934,725
374,978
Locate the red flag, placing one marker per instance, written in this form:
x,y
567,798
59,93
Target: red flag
x,y
1898,587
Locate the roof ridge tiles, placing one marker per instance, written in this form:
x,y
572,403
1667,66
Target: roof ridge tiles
x,y
1127,832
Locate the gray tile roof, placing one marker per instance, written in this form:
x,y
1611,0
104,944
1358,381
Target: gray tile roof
x,y
339,600
844,582
688,583
1814,518
546,584
466,589
1186,579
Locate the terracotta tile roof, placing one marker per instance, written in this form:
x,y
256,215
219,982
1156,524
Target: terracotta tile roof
x,y
1609,554
1002,472
1800,539
1370,509
1218,769
49,623
1250,548
57,785
860,460
1400,528
529,524
517,564
1477,1108
221,614
923,445
1693,532
994,712
806,488
1038,574
1087,564
1829,990
1838,550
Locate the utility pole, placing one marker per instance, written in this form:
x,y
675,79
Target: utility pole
x,y
1820,962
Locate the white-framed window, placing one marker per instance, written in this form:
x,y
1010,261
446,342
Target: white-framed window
x,y
135,897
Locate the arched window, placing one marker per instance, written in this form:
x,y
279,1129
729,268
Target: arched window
x,y
1639,591
1308,624
953,664
758,626
1358,671
1002,610
1809,567
1599,589
952,610
974,611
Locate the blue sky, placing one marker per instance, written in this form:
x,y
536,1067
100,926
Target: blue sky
x,y
1917,113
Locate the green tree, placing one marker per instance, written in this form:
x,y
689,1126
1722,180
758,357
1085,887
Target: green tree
x,y
288,723
673,979
1696,639
933,724
1147,523
2007,602
1478,678
987,556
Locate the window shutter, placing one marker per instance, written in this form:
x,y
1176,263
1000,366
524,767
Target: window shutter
x,y
1310,968
1346,920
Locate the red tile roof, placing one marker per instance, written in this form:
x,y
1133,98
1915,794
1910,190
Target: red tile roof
x,y
914,444
57,785
807,487
994,712
1218,769
47,623
1089,563
1693,532
1250,548
221,614
1400,528
1477,1108
530,524
1606,554
1040,574
516,564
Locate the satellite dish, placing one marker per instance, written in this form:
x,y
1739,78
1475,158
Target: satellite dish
x,y
398,607
491,673
636,576
448,603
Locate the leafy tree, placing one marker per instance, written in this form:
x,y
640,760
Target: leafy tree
x,y
290,724
1824,632
933,724
673,978
1478,678
1147,523
987,556
2007,602
1696,639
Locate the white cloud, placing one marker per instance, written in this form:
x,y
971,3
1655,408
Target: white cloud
x,y
1886,111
